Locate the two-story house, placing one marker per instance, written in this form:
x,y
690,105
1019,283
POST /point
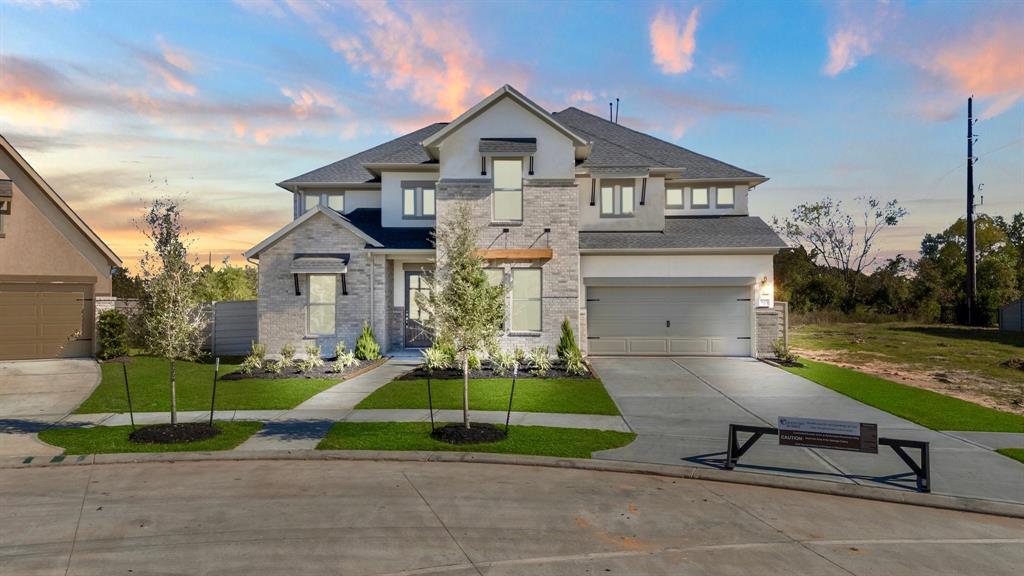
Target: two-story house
x,y
646,247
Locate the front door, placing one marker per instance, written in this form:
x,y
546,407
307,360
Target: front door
x,y
417,334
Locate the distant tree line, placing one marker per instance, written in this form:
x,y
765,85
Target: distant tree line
x,y
211,284
833,271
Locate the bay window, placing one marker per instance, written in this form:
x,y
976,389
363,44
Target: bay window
x,y
508,190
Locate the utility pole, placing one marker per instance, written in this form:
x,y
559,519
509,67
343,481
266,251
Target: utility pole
x,y
972,281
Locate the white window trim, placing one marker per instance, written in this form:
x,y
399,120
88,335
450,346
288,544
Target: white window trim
x,y
707,202
310,304
522,203
730,204
539,300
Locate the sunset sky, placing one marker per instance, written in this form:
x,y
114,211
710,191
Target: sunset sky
x,y
116,103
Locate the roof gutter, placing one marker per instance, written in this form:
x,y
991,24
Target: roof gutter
x,y
683,251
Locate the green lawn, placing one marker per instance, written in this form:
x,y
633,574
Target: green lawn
x,y
564,395
534,440
971,359
148,378
1015,453
924,407
114,439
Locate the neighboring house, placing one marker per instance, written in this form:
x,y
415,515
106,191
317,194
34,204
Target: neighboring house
x,y
52,267
647,248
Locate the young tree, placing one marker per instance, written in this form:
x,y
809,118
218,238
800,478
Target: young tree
x,y
835,237
171,319
464,310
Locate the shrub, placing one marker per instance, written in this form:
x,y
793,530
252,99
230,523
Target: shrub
x,y
112,330
339,348
783,353
313,358
520,356
367,347
287,355
343,361
254,361
503,362
436,358
447,349
540,360
474,361
275,367
567,343
574,364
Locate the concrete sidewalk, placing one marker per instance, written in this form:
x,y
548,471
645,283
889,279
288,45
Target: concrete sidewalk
x,y
681,409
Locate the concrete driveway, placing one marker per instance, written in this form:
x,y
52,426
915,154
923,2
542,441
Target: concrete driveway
x,y
459,519
37,393
681,409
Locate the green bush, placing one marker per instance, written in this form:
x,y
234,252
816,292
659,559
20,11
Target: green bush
x,y
367,347
540,360
287,355
474,361
254,361
112,330
782,352
447,349
574,364
313,356
436,358
567,343
502,362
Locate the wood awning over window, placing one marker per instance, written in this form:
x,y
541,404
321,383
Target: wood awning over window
x,y
320,264
515,253
501,145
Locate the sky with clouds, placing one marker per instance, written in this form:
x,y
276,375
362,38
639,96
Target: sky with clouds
x,y
117,103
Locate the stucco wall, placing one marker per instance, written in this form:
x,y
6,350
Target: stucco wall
x,y
460,152
740,194
40,241
391,198
649,217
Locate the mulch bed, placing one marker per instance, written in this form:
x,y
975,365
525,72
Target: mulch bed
x,y
321,372
420,373
173,433
477,434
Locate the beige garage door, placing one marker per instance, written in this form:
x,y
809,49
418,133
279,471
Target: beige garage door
x,y
43,321
669,320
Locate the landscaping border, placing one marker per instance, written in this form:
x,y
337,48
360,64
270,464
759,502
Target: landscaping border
x,y
931,500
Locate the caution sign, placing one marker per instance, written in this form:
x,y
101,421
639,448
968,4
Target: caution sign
x,y
828,434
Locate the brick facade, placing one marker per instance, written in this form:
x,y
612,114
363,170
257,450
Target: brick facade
x,y
282,314
547,205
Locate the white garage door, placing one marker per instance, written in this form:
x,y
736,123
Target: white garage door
x,y
669,320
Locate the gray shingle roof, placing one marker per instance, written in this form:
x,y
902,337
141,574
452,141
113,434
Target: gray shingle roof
x,y
690,232
402,150
616,145
403,238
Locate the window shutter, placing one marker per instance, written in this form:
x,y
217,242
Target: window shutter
x,y
531,165
483,165
643,192
593,191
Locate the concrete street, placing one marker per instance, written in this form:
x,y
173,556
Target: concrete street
x,y
339,517
681,409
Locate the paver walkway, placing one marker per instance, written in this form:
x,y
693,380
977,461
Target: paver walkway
x,y
681,409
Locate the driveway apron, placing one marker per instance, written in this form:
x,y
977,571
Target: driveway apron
x,y
681,409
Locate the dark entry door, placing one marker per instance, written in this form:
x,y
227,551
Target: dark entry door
x,y
417,334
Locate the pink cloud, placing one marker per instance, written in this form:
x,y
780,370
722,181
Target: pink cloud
x,y
31,96
845,47
672,45
65,4
171,65
581,96
987,63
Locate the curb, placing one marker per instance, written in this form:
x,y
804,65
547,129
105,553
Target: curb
x,y
939,501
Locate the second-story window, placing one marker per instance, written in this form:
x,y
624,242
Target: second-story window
x,y
618,198
699,198
674,198
725,198
508,190
310,200
418,200
336,201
